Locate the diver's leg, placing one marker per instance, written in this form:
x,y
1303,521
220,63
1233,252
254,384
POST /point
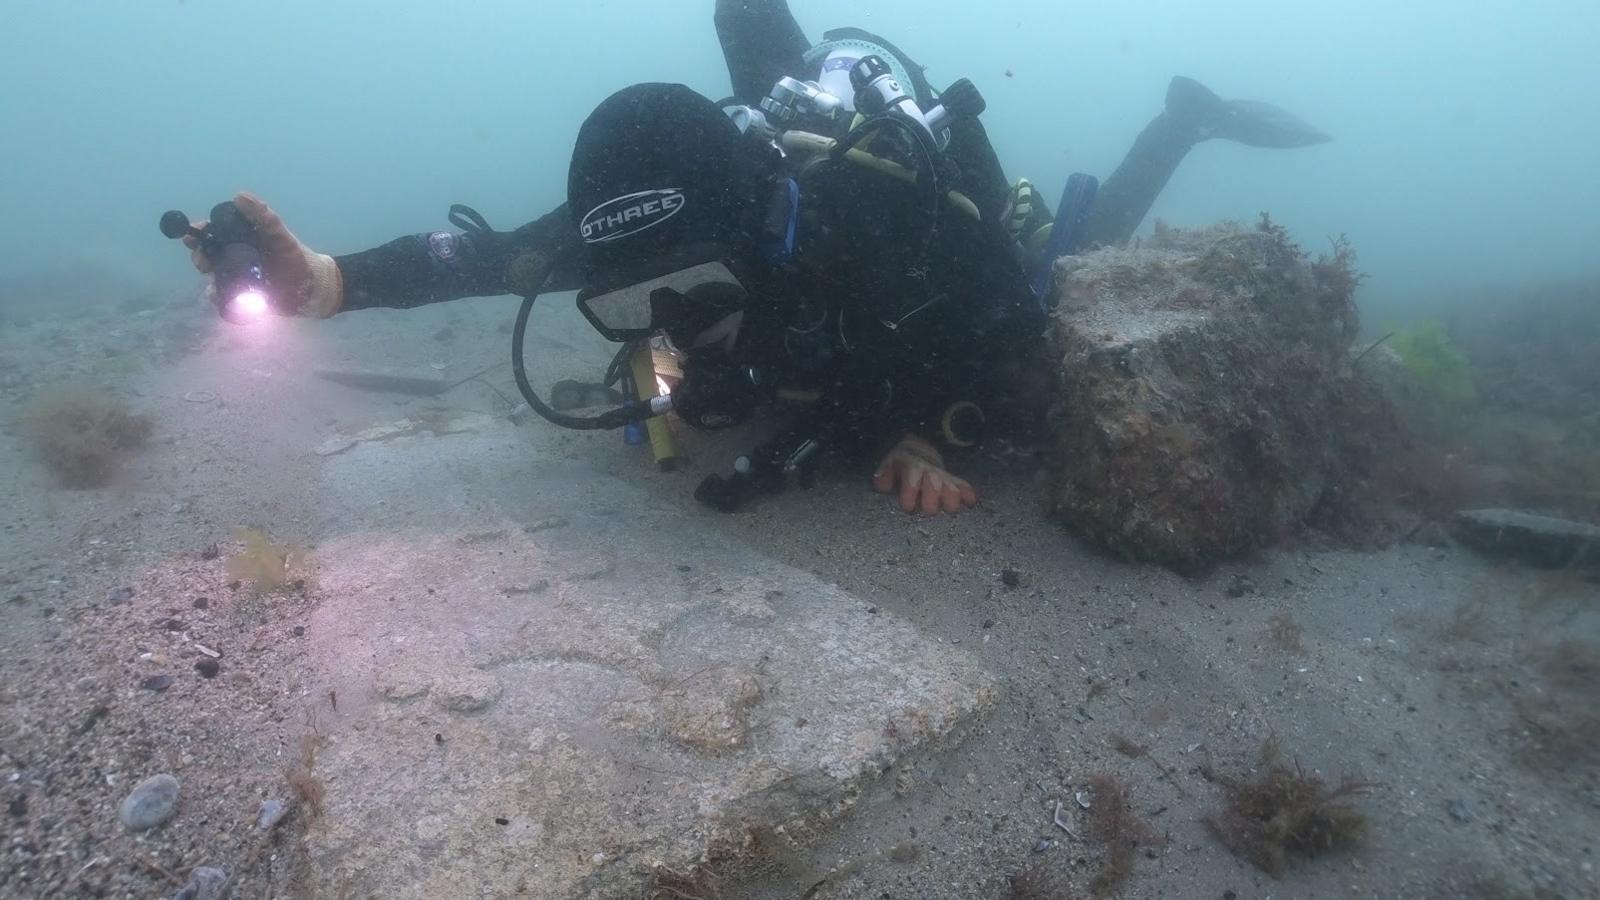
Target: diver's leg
x,y
761,43
982,178
1125,197
1193,114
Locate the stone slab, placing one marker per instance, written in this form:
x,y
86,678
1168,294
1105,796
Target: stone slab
x,y
551,685
1542,541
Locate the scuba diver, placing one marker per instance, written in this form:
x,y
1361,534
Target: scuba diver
x,y
858,267
840,280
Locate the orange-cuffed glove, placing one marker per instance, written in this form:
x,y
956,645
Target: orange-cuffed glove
x,y
309,280
916,468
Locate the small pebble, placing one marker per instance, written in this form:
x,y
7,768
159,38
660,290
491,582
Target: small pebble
x,y
1010,578
207,667
120,595
86,683
205,883
157,683
202,602
212,551
151,803
298,631
272,812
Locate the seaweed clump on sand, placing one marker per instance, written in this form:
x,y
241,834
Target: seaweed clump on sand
x,y
1113,825
1559,710
83,435
1284,811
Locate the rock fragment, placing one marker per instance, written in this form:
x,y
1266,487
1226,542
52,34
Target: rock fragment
x,y
205,883
273,809
152,802
1205,404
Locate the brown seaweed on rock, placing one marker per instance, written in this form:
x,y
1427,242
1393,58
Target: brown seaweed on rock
x,y
1206,405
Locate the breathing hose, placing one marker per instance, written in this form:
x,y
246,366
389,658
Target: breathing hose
x,y
632,412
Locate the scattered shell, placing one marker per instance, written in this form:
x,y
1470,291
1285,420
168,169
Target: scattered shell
x,y
207,650
1083,799
199,396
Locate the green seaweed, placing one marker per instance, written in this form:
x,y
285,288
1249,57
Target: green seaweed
x,y
1435,364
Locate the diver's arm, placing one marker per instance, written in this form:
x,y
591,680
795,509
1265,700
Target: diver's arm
x,y
434,267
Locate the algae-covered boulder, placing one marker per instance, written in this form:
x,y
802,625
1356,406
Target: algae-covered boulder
x,y
1206,403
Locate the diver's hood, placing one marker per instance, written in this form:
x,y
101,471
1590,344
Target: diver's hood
x,y
656,168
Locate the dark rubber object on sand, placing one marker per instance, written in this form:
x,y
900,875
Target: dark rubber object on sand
x,y
570,394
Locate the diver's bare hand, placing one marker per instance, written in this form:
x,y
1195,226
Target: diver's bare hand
x,y
916,468
309,280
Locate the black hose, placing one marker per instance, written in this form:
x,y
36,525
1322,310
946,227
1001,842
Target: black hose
x,y
615,418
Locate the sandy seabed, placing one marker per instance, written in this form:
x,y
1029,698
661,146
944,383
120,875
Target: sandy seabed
x,y
1457,686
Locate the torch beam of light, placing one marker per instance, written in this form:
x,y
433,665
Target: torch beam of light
x,y
252,304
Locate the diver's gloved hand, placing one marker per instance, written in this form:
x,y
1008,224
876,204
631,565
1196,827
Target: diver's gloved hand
x,y
309,281
916,468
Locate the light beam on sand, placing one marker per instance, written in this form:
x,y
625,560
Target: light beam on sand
x,y
250,305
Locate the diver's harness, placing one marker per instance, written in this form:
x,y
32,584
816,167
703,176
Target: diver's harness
x,y
790,119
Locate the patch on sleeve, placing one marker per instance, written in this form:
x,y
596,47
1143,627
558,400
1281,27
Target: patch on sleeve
x,y
444,245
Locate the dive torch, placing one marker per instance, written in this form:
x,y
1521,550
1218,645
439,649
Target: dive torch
x,y
229,241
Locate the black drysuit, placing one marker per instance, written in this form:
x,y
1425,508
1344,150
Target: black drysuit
x,y
863,248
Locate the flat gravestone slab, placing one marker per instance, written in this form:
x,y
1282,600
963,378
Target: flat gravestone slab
x,y
560,689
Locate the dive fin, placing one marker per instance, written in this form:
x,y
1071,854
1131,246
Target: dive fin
x,y
1066,232
1249,122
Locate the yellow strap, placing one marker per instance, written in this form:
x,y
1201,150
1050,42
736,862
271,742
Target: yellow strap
x,y
644,380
